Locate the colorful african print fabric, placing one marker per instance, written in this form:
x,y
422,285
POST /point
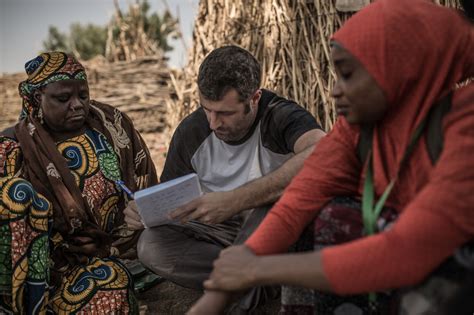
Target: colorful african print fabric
x,y
61,215
25,222
339,222
100,285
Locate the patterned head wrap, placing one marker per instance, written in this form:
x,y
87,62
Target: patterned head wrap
x,y
47,68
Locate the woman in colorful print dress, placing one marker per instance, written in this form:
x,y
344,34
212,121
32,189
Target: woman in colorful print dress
x,y
61,211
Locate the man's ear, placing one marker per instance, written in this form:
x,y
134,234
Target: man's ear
x,y
256,98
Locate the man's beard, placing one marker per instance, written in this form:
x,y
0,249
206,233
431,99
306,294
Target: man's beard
x,y
231,136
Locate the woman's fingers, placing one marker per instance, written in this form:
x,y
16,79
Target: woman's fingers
x,y
132,217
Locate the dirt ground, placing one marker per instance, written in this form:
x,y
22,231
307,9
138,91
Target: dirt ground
x,y
168,298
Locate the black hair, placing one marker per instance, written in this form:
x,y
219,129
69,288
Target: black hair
x,y
468,6
226,68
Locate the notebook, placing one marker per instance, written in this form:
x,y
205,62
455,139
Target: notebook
x,y
156,202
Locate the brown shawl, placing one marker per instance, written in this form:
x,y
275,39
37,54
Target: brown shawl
x,y
49,174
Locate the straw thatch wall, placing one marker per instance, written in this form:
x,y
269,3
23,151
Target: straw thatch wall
x,y
10,102
140,88
288,37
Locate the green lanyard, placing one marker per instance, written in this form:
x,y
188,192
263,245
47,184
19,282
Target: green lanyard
x,y
370,214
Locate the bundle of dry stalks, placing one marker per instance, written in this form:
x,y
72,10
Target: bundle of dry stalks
x,y
132,41
10,101
289,38
138,88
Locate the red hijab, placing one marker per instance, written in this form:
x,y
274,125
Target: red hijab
x,y
417,52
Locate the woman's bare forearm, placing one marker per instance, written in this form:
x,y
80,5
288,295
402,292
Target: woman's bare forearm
x,y
299,269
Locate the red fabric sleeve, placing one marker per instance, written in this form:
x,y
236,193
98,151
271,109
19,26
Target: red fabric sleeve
x,y
332,169
430,228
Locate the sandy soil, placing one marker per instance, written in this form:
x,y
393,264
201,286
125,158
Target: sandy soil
x,y
167,298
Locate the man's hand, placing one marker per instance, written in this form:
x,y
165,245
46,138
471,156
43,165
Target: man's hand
x,y
132,218
212,208
234,270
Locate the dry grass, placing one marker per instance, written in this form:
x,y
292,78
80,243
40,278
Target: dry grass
x,y
288,37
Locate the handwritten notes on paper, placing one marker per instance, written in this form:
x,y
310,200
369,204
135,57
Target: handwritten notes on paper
x,y
156,202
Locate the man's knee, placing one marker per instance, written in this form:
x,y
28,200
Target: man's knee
x,y
252,221
177,256
155,251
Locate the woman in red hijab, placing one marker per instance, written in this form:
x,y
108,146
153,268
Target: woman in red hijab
x,y
394,60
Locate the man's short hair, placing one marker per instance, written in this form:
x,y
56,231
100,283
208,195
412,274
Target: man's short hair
x,y
226,68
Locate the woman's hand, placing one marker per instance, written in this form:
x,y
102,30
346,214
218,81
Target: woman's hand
x,y
132,218
238,268
85,245
90,242
235,269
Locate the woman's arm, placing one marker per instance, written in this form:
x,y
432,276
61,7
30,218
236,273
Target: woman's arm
x,y
436,222
239,268
331,170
